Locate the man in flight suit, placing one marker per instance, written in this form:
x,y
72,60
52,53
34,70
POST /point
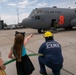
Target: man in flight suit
x,y
52,55
54,26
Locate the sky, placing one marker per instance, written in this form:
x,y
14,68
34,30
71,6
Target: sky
x,y
10,10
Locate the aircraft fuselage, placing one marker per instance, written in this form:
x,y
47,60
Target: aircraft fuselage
x,y
42,18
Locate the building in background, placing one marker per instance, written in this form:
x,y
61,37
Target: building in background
x,y
2,24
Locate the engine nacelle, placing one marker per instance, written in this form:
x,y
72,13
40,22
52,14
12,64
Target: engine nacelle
x,y
73,22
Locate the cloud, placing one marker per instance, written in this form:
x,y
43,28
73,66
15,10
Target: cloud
x,y
71,3
3,0
22,4
26,2
23,15
42,5
12,4
64,5
26,6
11,19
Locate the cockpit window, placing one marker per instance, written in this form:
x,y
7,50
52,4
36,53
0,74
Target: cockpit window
x,y
36,11
39,11
37,17
33,12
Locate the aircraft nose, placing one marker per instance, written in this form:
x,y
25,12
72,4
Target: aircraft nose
x,y
25,22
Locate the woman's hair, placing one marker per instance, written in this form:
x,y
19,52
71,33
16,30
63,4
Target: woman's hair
x,y
18,43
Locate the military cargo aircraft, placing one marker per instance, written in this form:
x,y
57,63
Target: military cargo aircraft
x,y
43,18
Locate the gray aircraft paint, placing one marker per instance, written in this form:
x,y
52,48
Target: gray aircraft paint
x,y
46,15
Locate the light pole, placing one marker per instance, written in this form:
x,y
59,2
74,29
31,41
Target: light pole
x,y
75,2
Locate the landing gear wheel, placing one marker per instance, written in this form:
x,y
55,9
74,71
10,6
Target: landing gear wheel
x,y
70,28
40,30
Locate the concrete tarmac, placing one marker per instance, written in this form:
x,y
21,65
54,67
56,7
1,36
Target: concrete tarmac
x,y
67,39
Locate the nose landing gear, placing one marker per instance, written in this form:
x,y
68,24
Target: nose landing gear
x,y
40,30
